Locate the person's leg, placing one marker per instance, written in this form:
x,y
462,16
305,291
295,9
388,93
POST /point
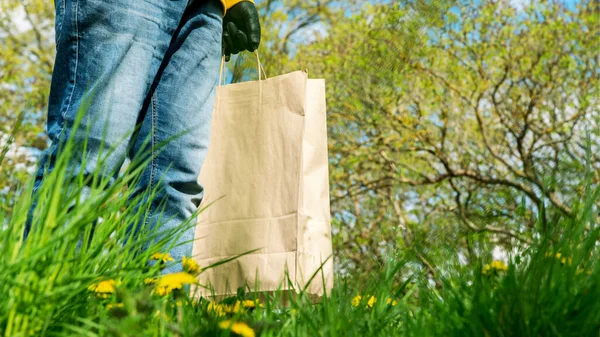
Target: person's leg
x,y
108,54
182,101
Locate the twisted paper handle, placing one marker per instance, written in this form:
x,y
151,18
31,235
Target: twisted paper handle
x,y
259,69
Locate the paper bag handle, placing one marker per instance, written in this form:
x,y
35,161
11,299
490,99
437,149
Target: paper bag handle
x,y
223,68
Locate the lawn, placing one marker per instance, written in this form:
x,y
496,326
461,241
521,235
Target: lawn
x,y
62,281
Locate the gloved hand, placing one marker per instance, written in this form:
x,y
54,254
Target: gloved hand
x,y
241,29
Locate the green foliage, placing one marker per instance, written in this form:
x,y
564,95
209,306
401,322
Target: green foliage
x,y
26,58
547,289
463,125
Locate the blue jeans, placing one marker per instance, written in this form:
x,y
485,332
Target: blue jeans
x,y
153,64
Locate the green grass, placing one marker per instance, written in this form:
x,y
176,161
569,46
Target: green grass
x,y
44,281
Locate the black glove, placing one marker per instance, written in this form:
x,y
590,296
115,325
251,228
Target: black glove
x,y
241,29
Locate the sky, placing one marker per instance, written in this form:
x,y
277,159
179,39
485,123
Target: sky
x,y
519,3
20,21
22,24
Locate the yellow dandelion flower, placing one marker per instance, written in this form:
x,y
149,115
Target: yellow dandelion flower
x,y
190,265
392,302
257,304
239,328
110,306
216,309
234,309
238,306
149,280
356,300
499,266
494,267
169,282
225,324
230,308
565,260
162,257
560,257
371,302
103,289
249,304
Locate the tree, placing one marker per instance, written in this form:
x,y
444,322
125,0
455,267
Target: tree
x,y
26,58
473,128
454,127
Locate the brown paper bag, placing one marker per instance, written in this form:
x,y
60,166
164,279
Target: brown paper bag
x,y
268,161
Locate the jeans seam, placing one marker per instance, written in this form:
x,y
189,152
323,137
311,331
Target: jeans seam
x,y
63,11
60,18
70,100
153,131
152,146
74,77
